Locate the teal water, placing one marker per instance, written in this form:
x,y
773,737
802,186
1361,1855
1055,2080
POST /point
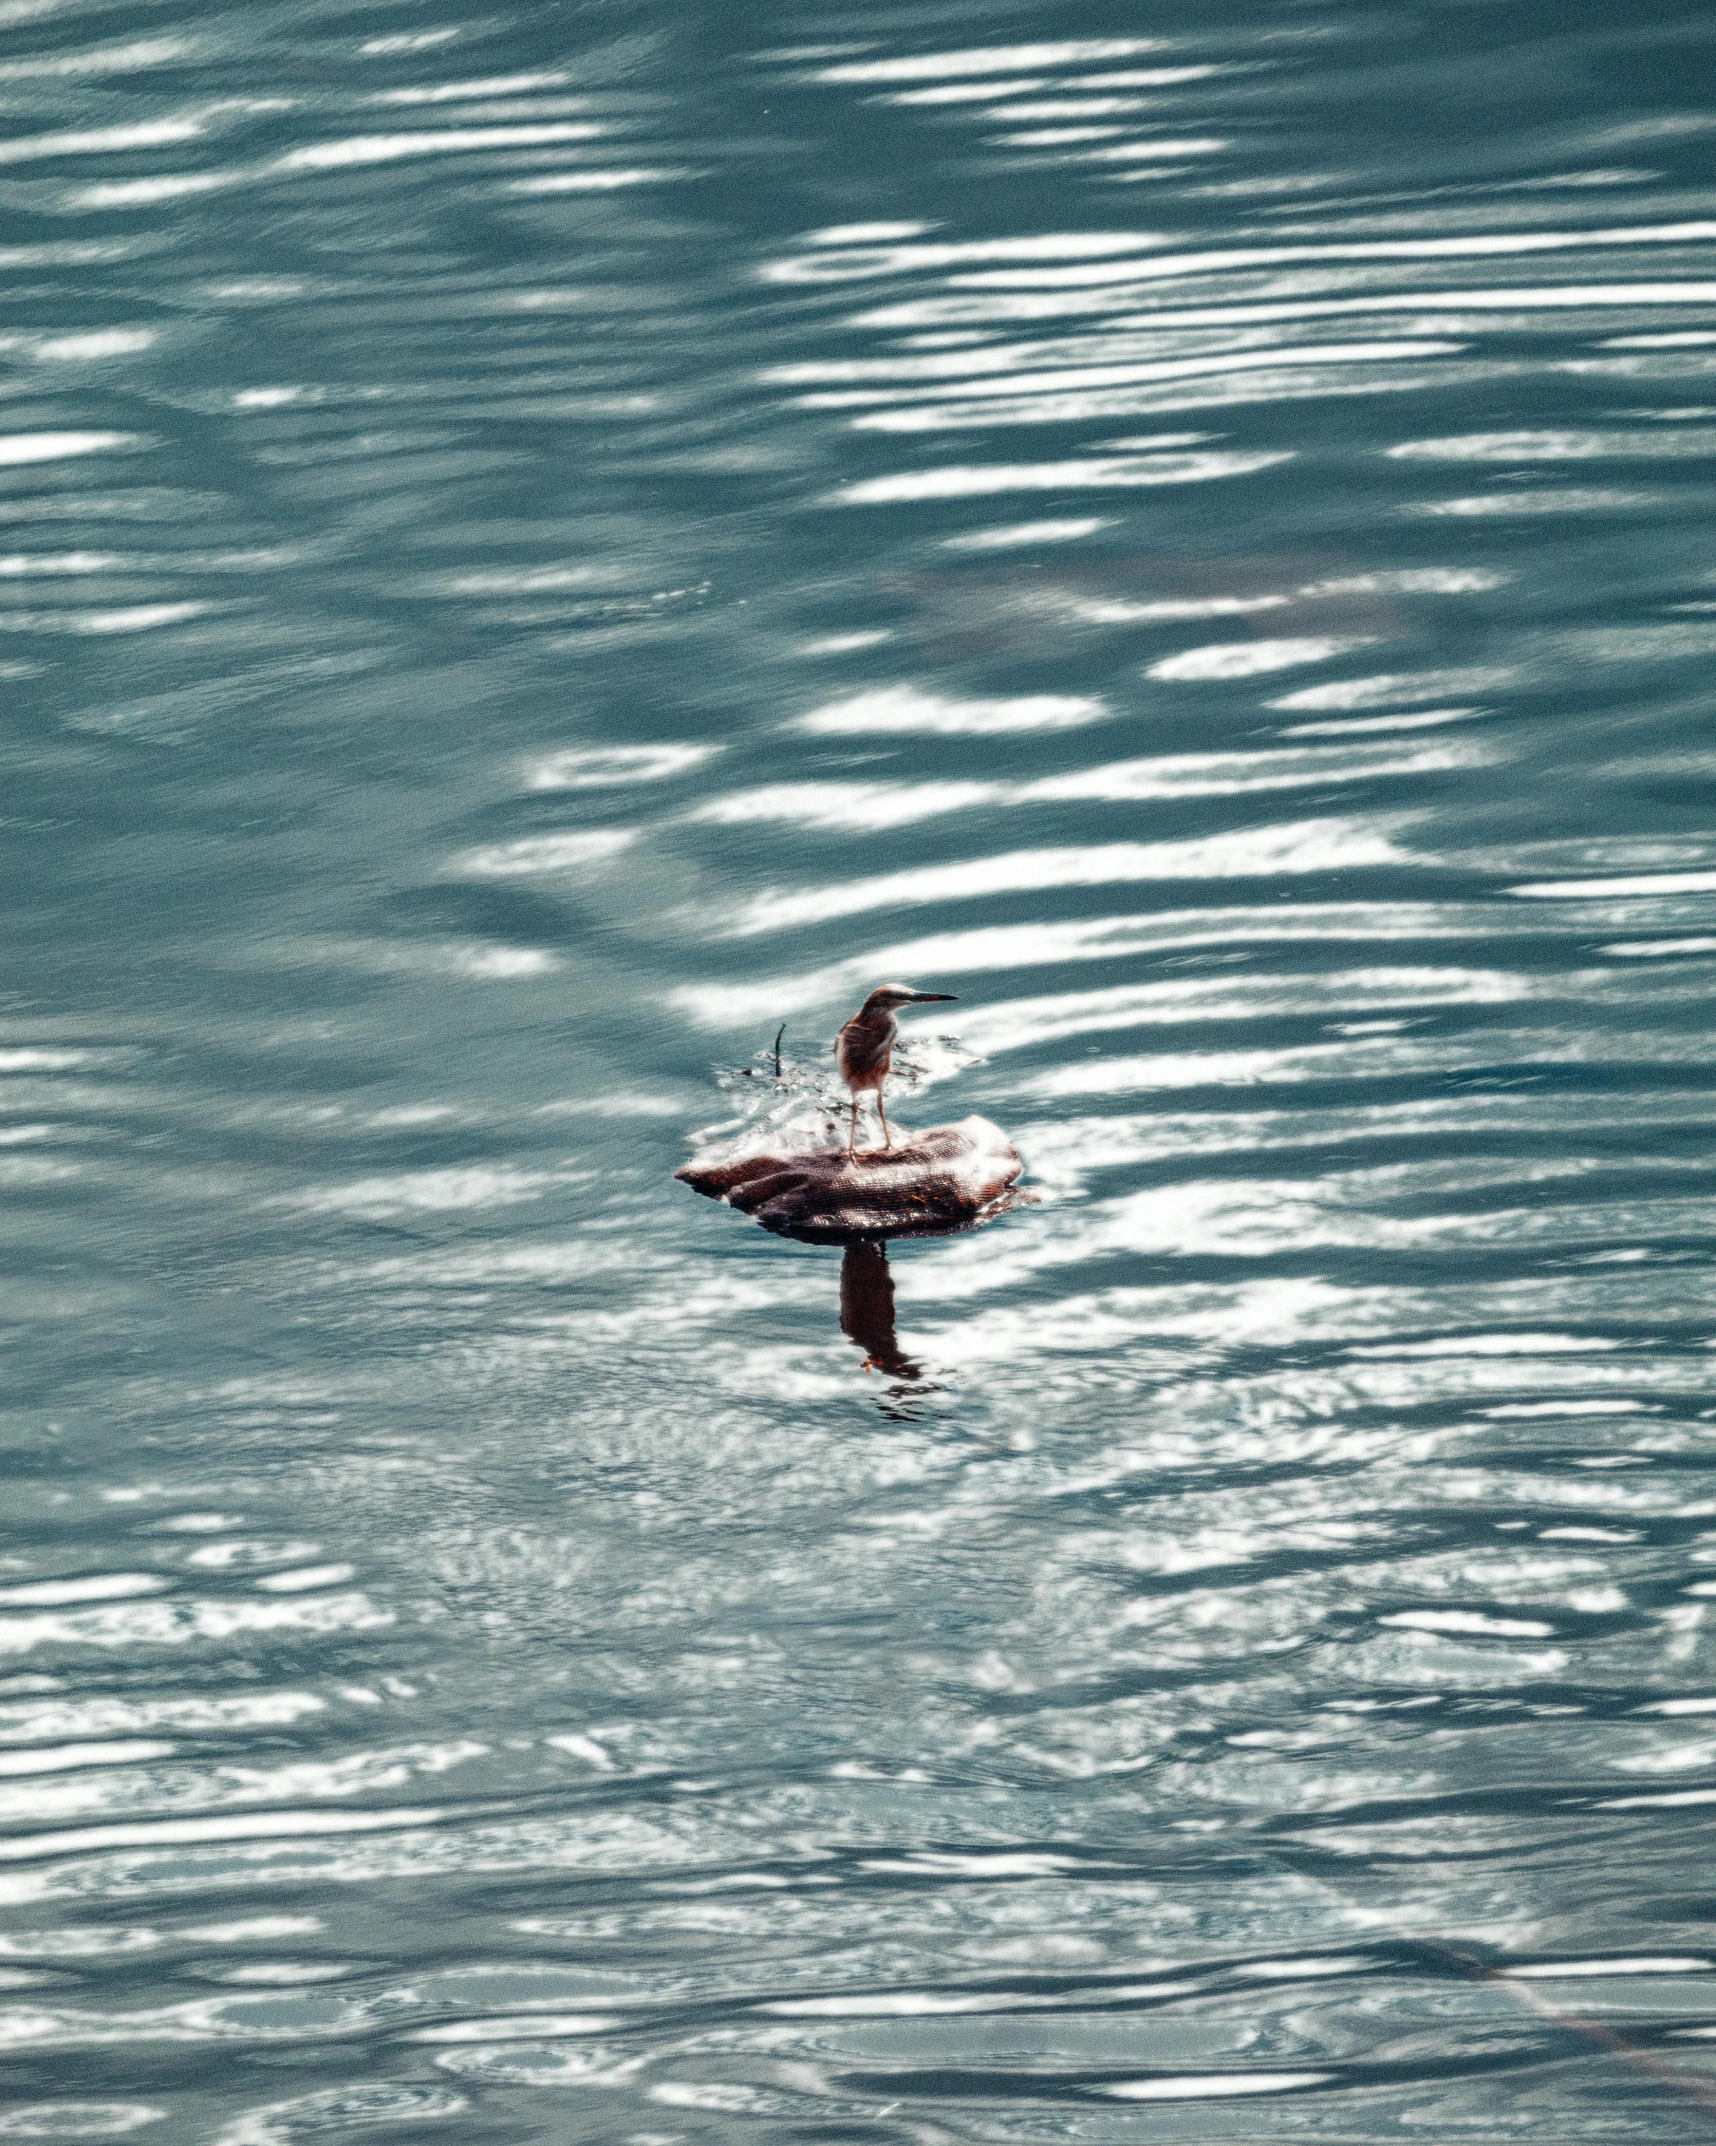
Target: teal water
x,y
539,546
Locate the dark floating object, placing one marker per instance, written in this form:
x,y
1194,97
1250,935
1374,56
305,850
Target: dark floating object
x,y
948,1178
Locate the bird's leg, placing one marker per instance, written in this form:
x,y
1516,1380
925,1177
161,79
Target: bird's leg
x,y
882,1106
852,1138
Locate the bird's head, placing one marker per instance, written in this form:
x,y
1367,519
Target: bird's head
x,y
888,996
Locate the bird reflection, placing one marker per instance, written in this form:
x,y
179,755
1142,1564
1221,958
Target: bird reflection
x,y
867,1309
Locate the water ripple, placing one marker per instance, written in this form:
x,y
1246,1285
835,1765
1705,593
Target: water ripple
x,y
524,569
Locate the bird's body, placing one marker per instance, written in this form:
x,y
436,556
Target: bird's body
x,y
864,1049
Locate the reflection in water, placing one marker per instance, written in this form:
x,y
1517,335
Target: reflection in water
x,y
867,1308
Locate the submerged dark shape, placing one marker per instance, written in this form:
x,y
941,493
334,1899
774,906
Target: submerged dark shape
x,y
948,1177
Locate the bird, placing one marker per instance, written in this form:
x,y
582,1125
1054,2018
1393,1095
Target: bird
x,y
864,1048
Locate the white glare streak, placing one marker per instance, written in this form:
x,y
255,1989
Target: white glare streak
x,y
1302,846
382,148
98,343
262,1825
1248,659
105,59
544,853
50,446
1026,533
602,766
130,618
147,134
1558,446
999,385
1210,2085
103,1587
862,262
1420,249
990,92
1469,1621
1650,883
65,1758
865,234
453,92
598,182
1365,724
1658,342
991,59
852,805
906,708
1092,474
138,193
1395,689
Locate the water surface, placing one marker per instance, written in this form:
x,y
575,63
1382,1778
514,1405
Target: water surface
x,y
538,547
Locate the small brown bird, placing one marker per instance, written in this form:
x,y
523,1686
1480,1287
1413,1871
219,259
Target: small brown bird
x,y
864,1048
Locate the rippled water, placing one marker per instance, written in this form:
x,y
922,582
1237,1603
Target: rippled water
x,y
539,546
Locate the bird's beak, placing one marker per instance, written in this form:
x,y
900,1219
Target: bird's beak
x,y
926,998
